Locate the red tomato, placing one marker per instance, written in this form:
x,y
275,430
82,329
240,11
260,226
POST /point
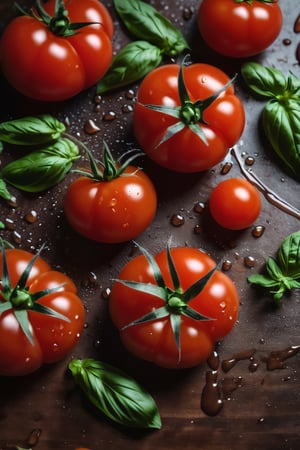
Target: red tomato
x,y
111,211
154,340
44,65
222,122
239,28
235,204
52,337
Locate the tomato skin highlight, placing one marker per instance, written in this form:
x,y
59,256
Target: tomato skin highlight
x,y
53,338
235,204
154,341
47,67
239,29
185,151
111,211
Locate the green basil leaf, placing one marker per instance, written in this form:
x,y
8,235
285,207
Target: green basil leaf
x,y
263,280
264,81
274,270
115,394
281,124
42,169
31,130
145,22
289,255
130,64
4,193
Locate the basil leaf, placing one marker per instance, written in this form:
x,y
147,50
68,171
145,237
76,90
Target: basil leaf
x,y
263,280
31,130
264,81
289,255
4,193
281,124
130,64
115,394
145,22
42,169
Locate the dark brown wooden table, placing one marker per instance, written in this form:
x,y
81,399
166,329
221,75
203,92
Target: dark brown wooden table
x,y
261,404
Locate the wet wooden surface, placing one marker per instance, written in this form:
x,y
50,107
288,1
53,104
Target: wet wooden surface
x,y
261,404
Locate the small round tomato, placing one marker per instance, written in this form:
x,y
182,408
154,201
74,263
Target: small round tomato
x,y
186,118
239,28
46,57
173,320
112,205
41,316
235,204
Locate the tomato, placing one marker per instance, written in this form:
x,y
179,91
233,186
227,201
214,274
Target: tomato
x,y
235,204
111,211
207,131
43,61
50,338
239,28
155,340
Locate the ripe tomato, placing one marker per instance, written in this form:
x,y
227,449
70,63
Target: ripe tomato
x,y
239,28
155,340
221,123
46,61
235,204
111,211
51,338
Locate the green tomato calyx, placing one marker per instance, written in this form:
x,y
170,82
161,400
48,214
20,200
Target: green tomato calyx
x,y
176,300
59,24
189,114
19,300
109,168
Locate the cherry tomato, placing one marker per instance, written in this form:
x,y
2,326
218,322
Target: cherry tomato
x,y
239,28
235,204
221,123
44,62
111,211
154,340
52,338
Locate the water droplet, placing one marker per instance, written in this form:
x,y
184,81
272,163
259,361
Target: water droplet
x,y
90,127
198,229
199,207
110,116
97,99
298,53
187,13
34,437
106,293
9,223
177,220
227,264
17,238
12,202
286,41
261,420
249,161
31,217
297,25
226,168
258,231
249,261
127,108
130,94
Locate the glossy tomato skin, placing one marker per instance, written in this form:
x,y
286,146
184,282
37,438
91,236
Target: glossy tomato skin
x,y
154,341
47,67
239,29
53,338
235,204
111,211
185,151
